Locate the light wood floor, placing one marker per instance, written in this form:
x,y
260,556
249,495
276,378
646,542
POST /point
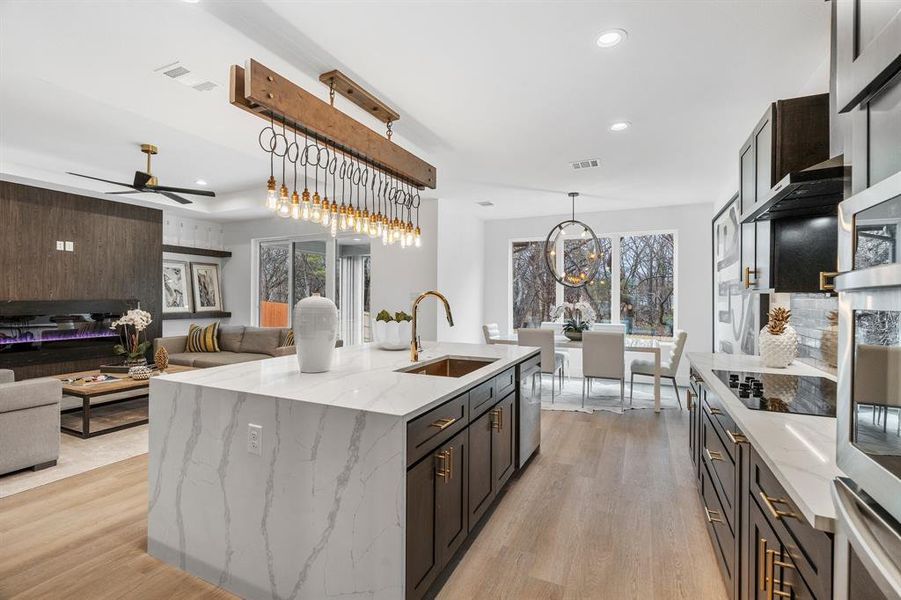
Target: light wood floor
x,y
608,509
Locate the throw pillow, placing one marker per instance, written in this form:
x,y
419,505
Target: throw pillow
x,y
202,339
289,339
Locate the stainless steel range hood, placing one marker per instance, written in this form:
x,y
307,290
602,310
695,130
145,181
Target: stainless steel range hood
x,y
814,191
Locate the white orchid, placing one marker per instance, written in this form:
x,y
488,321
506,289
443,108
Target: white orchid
x,y
581,311
137,318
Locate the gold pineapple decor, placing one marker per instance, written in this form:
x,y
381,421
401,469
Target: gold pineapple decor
x,y
161,358
778,340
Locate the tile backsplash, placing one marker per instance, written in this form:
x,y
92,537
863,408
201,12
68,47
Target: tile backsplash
x,y
817,337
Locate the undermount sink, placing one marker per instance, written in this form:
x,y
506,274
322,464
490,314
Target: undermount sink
x,y
448,366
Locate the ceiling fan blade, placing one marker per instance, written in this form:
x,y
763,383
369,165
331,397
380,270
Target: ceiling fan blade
x,y
141,179
99,179
126,192
165,188
175,197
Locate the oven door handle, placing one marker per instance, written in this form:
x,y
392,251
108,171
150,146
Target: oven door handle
x,y
856,518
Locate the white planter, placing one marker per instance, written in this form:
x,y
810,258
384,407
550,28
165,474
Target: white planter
x,y
315,331
392,335
778,350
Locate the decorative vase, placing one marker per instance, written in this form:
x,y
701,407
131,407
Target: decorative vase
x,y
778,341
392,335
140,372
573,335
315,332
135,362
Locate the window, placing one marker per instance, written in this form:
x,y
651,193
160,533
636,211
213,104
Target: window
x,y
646,284
641,297
534,288
274,284
309,269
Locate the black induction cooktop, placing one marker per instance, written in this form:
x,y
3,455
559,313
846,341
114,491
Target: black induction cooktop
x,y
774,392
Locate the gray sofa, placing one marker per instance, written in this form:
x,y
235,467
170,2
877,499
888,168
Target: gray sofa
x,y
29,422
237,344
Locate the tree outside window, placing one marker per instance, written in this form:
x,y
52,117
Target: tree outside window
x,y
534,288
597,292
646,283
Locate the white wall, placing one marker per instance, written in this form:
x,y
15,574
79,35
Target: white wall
x,y
691,225
461,271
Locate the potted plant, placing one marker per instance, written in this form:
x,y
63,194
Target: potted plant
x,y
131,326
392,332
579,316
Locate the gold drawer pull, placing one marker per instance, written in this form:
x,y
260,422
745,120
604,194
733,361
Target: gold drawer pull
x,y
777,514
713,411
689,397
444,464
714,455
444,423
824,275
736,438
747,278
712,519
497,419
762,557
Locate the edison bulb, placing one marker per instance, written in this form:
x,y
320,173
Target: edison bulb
x,y
271,198
417,238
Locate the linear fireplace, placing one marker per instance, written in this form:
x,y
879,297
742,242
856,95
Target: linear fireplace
x,y
40,332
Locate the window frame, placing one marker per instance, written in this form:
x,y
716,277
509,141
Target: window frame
x,y
615,238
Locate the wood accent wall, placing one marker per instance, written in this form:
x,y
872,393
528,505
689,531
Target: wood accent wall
x,y
118,255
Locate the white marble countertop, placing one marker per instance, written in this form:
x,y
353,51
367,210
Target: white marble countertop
x,y
362,377
798,449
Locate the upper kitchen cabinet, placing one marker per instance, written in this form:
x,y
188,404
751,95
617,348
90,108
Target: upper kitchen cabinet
x,y
792,135
867,47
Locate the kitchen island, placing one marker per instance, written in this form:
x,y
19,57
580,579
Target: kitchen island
x,y
353,483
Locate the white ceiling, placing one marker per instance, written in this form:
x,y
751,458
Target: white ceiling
x,y
500,96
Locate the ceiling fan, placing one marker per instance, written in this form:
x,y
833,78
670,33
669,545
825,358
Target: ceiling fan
x,y
147,182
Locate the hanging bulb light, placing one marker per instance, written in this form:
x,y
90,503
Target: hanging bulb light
x,y
271,197
342,217
284,205
333,218
305,205
326,215
417,237
295,206
408,233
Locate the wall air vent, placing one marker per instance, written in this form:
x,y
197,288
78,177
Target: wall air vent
x,y
588,163
485,203
185,76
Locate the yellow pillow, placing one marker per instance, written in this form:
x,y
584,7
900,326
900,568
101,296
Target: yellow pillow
x,y
203,339
289,339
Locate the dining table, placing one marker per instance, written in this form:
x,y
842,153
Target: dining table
x,y
650,344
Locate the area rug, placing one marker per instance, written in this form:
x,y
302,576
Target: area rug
x,y
604,396
77,456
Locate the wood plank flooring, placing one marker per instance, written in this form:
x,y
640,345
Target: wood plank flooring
x,y
608,509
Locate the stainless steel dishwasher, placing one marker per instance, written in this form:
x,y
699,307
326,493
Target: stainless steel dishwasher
x,y
529,380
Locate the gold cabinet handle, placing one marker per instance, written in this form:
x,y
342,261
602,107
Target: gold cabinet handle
x,y
497,419
713,411
777,514
713,455
736,438
824,275
450,464
770,572
771,563
711,519
761,561
689,397
441,465
444,423
747,278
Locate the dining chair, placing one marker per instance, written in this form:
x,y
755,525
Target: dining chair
x,y
555,325
603,357
668,366
491,331
552,360
877,380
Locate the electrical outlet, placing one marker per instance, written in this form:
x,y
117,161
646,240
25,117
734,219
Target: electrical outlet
x,y
70,246
255,439
60,246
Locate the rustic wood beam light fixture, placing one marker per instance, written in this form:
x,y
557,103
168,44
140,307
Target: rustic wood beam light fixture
x,y
263,92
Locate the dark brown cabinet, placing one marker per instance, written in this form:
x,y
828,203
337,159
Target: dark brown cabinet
x,y
459,455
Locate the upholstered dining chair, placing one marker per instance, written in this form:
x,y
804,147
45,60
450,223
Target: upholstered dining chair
x,y
609,327
877,380
552,360
491,331
557,326
668,366
603,357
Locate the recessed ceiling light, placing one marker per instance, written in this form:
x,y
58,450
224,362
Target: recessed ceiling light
x,y
191,1
620,126
611,37
200,182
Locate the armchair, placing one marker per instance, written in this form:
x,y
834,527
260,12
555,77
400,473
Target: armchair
x,y
29,422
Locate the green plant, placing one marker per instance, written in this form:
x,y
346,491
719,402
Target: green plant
x,y
402,316
576,325
385,316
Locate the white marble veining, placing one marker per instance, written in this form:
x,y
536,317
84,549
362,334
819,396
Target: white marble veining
x,y
798,449
362,377
320,513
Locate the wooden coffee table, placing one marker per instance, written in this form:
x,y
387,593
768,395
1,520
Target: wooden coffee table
x,y
93,390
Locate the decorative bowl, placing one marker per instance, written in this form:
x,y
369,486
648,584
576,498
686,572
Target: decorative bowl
x,y
140,372
392,335
573,335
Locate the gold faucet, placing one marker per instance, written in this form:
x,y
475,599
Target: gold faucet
x,y
415,346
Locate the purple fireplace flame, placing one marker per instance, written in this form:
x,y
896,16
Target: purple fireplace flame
x,y
55,335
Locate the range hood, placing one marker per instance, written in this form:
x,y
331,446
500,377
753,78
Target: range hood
x,y
814,191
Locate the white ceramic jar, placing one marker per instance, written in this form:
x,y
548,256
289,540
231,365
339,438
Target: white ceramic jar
x,y
315,332
392,335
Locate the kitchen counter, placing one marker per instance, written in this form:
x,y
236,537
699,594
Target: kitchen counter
x,y
273,483
800,450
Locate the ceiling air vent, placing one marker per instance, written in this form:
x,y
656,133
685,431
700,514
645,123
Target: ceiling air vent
x,y
184,76
588,163
485,203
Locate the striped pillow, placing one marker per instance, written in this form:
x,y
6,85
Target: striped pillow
x,y
203,339
289,339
